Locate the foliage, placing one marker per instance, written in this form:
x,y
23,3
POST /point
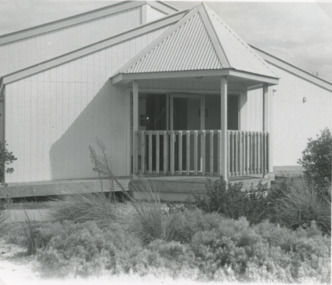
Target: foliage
x,y
6,158
84,207
233,202
5,202
82,248
300,205
317,160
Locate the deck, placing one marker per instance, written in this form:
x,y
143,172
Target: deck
x,y
170,188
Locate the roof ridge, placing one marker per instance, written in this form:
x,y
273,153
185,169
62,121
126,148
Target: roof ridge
x,y
290,64
71,20
238,38
82,51
222,54
147,50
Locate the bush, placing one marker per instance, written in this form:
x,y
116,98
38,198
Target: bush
x,y
233,202
81,249
317,161
6,158
4,204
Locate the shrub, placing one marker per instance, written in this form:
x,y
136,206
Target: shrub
x,y
300,205
317,160
4,204
84,207
233,202
82,249
6,158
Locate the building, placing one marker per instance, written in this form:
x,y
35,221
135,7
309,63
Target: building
x,y
170,93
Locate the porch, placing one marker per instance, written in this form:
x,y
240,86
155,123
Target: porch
x,y
197,153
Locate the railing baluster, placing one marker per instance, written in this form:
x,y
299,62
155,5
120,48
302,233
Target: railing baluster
x,y
218,150
203,152
157,151
135,153
165,152
195,151
143,152
150,152
188,152
180,152
172,158
211,152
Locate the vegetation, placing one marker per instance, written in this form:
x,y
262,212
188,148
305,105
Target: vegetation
x,y
229,235
290,204
317,162
6,158
207,246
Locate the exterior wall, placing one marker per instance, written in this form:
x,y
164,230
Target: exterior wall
x,y
52,117
24,53
294,121
251,110
153,14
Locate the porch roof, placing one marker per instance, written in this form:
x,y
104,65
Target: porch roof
x,y
199,42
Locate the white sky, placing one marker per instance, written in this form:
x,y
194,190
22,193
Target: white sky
x,y
298,32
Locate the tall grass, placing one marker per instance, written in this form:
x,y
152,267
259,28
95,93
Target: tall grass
x,y
84,207
148,217
301,204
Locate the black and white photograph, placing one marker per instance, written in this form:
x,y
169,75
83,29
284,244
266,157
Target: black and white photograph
x,y
165,142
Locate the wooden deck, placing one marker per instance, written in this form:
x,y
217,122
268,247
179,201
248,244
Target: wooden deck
x,y
181,188
59,187
169,188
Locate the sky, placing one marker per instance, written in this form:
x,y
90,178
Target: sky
x,y
297,32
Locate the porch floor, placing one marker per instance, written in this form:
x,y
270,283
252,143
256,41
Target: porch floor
x,y
181,188
170,188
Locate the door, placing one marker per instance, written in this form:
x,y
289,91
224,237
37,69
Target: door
x,y
185,115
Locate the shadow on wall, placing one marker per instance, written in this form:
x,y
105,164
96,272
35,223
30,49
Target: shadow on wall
x,y
105,117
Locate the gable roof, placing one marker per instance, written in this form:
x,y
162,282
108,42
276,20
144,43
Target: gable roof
x,y
199,41
138,31
82,18
273,60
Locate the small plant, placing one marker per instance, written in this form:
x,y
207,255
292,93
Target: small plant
x,y
6,158
317,161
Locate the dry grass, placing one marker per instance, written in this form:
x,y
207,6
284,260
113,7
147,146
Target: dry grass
x,y
302,204
85,207
149,219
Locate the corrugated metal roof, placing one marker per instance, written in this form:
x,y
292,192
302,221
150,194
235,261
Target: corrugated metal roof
x,y
239,54
186,47
199,41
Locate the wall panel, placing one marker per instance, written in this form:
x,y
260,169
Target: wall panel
x,y
24,53
52,117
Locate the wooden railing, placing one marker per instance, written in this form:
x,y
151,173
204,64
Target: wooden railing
x,y
198,153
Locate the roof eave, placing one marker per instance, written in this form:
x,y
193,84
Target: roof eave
x,y
124,78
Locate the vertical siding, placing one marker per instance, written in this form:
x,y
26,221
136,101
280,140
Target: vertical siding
x,y
13,56
251,113
53,116
295,121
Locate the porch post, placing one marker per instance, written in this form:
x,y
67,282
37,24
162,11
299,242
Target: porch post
x,y
135,126
223,116
267,122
